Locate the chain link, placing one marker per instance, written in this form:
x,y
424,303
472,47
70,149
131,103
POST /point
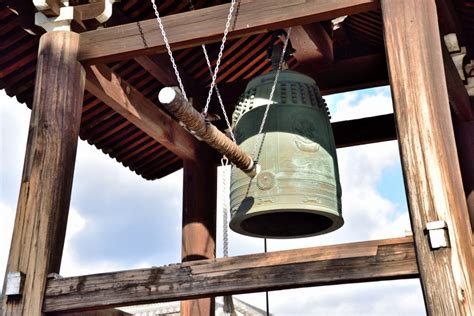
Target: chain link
x,y
270,99
168,48
204,50
219,57
225,206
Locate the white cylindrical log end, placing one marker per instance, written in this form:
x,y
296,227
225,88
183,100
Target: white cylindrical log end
x,y
167,95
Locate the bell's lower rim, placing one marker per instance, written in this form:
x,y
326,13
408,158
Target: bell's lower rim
x,y
250,224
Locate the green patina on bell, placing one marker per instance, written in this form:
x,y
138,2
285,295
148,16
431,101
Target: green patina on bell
x,y
297,191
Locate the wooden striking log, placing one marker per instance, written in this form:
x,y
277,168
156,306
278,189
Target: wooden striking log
x,y
108,87
347,263
45,192
183,110
205,26
199,222
428,152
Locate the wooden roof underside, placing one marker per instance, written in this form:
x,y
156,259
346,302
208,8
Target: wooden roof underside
x,y
358,61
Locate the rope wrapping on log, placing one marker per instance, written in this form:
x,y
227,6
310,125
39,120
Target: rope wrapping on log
x,y
175,103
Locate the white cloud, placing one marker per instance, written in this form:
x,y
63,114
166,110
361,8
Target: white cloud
x,y
7,215
73,265
354,105
368,215
108,201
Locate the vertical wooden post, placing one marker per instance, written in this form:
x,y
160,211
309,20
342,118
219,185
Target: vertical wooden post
x,y
428,151
199,222
45,192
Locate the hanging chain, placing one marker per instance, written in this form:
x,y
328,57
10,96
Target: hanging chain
x,y
270,99
168,48
170,53
225,206
219,57
219,95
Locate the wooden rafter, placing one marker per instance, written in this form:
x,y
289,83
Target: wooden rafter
x,y
131,104
159,66
313,45
205,25
458,97
347,263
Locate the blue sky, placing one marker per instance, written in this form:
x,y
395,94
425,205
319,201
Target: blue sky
x,y
120,221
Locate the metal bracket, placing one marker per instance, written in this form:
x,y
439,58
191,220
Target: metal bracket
x,y
438,234
15,282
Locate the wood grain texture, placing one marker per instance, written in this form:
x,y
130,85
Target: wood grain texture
x,y
45,192
103,312
199,222
428,152
108,87
205,26
159,66
347,263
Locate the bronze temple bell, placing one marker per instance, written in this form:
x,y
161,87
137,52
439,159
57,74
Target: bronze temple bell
x,y
297,191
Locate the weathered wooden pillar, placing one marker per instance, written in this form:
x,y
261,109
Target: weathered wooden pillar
x,y
428,152
199,222
45,192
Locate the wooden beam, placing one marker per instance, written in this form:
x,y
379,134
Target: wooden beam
x,y
205,26
449,23
347,263
363,131
131,104
199,222
458,97
102,312
159,66
465,144
43,204
428,152
341,76
313,45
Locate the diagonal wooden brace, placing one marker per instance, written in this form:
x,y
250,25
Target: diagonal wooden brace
x,y
183,110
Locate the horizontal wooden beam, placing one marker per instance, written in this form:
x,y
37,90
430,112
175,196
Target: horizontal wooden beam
x,y
341,76
206,25
103,312
364,131
135,107
347,263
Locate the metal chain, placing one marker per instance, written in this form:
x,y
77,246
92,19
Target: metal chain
x,y
219,57
168,48
219,95
225,206
272,91
170,53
